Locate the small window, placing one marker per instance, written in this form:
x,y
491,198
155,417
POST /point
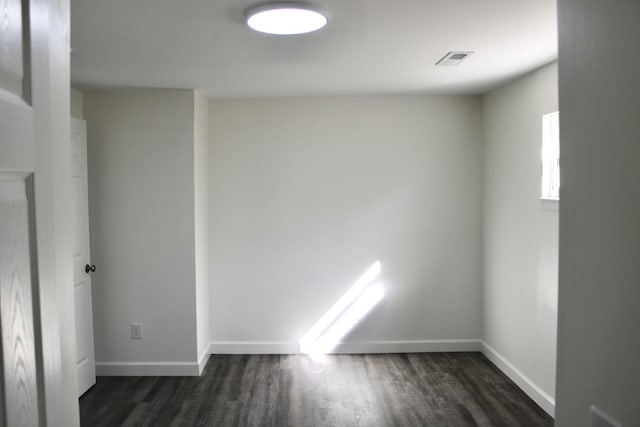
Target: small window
x,y
551,156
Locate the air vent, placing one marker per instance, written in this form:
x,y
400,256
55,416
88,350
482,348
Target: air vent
x,y
452,59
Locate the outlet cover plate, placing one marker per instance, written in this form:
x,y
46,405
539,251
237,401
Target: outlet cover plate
x,y
136,331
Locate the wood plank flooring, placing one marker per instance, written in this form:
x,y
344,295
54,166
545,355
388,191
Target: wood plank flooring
x,y
417,389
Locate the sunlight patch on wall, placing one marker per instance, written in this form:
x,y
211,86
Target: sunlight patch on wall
x,y
345,314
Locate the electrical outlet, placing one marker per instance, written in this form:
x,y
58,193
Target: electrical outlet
x,y
136,331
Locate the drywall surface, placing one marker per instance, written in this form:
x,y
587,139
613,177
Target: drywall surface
x,y
520,230
201,206
141,200
599,291
306,194
77,101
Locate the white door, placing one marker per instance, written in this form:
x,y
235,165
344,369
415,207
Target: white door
x,y
30,373
21,403
82,267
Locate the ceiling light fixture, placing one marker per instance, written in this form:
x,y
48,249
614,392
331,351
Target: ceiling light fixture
x,y
452,59
286,18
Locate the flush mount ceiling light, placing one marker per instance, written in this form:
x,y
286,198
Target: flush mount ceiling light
x,y
285,18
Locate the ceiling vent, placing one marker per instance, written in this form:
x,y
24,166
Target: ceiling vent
x,y
452,59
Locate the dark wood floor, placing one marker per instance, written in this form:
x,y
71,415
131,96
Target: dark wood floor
x,y
421,389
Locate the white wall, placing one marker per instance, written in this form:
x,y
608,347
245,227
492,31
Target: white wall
x,y
201,223
142,215
520,235
599,283
305,194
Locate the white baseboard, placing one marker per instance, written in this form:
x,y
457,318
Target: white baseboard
x,y
415,346
278,347
202,360
144,369
543,400
253,347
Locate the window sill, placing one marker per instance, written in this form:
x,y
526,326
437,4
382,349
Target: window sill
x,y
550,204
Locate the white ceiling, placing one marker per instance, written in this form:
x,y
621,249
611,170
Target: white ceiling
x,y
368,47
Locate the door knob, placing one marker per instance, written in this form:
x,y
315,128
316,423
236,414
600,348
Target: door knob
x,y
89,268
